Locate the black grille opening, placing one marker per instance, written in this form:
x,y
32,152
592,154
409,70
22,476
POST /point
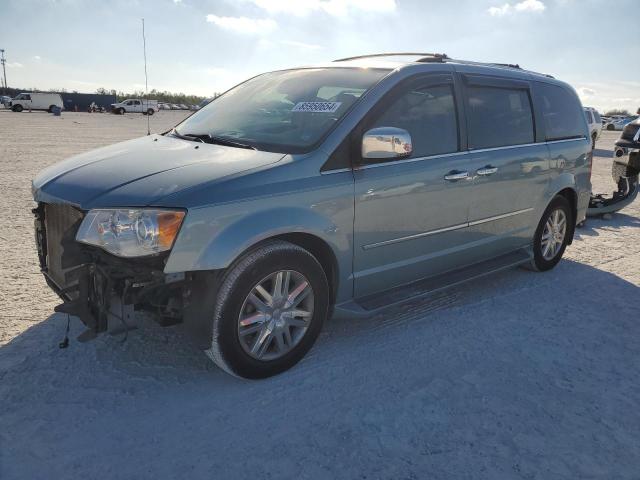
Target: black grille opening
x,y
61,222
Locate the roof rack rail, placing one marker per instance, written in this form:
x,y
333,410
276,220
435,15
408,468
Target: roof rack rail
x,y
425,57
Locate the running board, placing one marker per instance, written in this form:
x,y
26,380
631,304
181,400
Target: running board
x,y
373,304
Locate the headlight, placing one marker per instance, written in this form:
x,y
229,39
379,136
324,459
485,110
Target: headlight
x,y
131,232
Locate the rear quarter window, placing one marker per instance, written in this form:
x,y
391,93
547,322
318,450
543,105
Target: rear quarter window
x,y
499,117
561,112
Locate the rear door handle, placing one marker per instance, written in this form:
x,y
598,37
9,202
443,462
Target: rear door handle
x,y
488,170
455,175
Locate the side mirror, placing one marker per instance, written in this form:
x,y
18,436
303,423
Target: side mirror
x,y
386,142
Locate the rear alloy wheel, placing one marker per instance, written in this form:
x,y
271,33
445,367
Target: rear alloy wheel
x,y
552,235
270,308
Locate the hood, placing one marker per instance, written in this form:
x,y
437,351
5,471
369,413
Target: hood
x,y
142,171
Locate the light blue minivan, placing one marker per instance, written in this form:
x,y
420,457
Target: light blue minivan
x,y
331,190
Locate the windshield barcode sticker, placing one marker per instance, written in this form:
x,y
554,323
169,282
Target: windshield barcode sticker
x,y
316,107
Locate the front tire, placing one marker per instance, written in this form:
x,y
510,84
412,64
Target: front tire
x,y
121,111
593,141
270,308
611,127
552,235
17,108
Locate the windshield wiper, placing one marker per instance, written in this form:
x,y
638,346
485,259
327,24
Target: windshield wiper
x,y
230,143
191,138
211,139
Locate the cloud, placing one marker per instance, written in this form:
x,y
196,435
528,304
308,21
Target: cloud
x,y
14,65
530,6
336,8
586,92
37,57
535,6
500,11
244,25
301,45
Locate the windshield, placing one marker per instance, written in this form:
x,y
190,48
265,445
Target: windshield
x,y
287,111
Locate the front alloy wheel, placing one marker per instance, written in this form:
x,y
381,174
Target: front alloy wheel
x,y
276,315
269,310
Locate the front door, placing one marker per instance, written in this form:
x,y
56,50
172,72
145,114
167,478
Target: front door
x,y
411,222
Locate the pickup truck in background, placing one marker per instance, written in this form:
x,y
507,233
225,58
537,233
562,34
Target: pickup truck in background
x,y
135,105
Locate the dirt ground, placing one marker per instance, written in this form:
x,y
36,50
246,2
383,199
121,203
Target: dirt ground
x,y
520,375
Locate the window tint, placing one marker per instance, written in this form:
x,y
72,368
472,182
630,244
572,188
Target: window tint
x,y
561,112
597,117
499,117
588,116
429,115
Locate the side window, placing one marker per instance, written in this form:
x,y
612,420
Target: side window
x,y
27,97
499,117
588,116
136,102
597,117
561,112
429,115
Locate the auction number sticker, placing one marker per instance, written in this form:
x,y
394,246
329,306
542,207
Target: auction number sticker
x,y
316,107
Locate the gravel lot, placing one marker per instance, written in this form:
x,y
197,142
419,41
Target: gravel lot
x,y
521,375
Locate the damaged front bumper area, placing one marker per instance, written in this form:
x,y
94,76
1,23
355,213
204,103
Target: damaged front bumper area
x,y
103,290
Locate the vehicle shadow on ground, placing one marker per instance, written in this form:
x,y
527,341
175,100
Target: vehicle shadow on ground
x,y
601,152
617,220
170,351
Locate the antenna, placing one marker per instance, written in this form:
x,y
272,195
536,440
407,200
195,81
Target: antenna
x,y
146,79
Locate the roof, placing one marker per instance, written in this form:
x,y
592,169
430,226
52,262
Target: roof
x,y
399,59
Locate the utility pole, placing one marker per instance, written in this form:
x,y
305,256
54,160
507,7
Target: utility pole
x,y
4,70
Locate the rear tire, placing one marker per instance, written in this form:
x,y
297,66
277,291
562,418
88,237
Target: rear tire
x,y
593,141
150,111
238,352
552,235
50,109
611,127
17,108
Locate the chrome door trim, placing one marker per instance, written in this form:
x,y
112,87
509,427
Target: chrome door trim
x,y
412,237
445,229
567,140
409,160
499,217
506,147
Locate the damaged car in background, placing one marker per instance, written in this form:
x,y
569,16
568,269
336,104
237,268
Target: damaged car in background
x,y
298,195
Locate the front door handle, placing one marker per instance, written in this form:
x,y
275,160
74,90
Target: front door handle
x,y
488,170
455,175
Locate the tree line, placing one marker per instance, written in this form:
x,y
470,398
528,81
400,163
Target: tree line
x,y
161,96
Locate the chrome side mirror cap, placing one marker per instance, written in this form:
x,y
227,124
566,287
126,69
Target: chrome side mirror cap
x,y
386,142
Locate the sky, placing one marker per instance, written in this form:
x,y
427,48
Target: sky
x,y
206,46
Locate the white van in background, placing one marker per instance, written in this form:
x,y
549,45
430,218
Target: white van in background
x,y
36,101
595,124
135,105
